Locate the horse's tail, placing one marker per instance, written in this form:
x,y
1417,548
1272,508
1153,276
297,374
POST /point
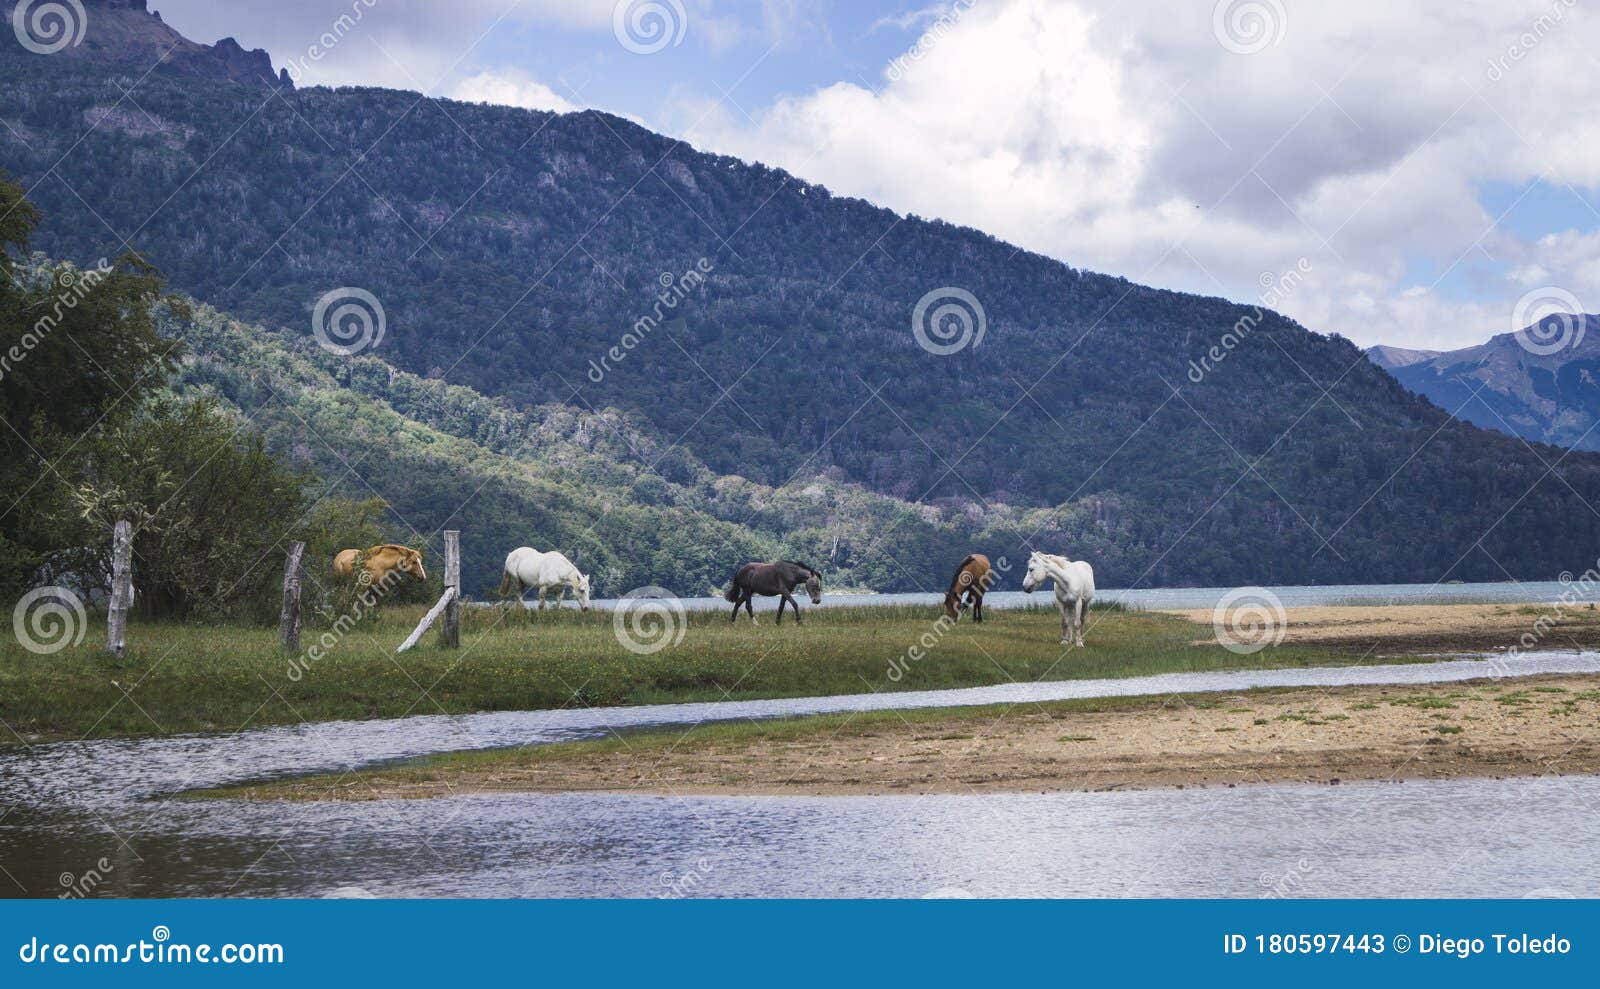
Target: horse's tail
x,y
732,593
506,581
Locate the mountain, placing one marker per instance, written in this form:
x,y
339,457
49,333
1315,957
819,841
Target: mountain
x,y
1390,358
126,34
1512,384
760,330
444,455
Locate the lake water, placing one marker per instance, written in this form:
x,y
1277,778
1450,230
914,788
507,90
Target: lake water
x,y
104,807
1176,598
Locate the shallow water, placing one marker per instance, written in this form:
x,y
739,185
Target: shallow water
x,y
1441,838
1185,598
80,808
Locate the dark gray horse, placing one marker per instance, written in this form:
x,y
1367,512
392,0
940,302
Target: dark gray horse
x,y
768,579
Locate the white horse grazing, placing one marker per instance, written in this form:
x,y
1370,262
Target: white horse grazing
x,y
527,567
1074,590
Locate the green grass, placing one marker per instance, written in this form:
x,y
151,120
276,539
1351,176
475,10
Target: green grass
x,y
221,677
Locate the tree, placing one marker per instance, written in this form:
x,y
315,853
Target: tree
x,y
210,507
78,350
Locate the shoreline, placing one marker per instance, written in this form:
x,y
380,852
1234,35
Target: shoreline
x,y
1538,725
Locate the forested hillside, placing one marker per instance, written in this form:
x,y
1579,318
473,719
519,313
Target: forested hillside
x,y
552,477
512,250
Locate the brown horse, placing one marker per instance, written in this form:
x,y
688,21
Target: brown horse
x,y
768,579
972,579
379,562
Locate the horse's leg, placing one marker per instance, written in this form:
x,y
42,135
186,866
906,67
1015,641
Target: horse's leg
x,y
1066,623
977,606
737,600
793,604
561,596
749,609
782,597
1083,616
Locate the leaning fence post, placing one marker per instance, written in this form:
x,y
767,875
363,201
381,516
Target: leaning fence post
x,y
450,631
289,618
121,589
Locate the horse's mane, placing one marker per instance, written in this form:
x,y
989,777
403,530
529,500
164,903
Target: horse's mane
x,y
394,546
803,566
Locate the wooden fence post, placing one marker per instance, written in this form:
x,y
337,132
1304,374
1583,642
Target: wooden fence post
x,y
289,618
450,631
121,589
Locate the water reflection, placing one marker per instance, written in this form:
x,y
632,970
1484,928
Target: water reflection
x,y
97,818
1443,838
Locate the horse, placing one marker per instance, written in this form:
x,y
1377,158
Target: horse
x,y
527,567
1074,590
379,562
972,579
767,579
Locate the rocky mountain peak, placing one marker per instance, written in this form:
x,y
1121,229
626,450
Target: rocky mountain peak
x,y
127,32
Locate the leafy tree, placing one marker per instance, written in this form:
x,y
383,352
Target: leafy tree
x,y
211,508
78,351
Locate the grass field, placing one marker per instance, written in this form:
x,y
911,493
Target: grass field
x,y
218,677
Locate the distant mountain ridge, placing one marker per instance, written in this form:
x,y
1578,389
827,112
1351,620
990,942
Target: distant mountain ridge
x,y
1511,384
510,249
1393,357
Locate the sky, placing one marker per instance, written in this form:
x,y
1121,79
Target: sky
x,y
1432,169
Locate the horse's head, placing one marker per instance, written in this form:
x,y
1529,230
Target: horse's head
x,y
1038,572
583,592
411,563
814,588
952,605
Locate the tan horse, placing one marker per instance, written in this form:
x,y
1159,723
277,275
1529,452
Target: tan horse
x,y
379,562
971,582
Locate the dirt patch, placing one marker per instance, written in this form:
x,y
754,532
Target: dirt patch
x,y
1526,726
1436,628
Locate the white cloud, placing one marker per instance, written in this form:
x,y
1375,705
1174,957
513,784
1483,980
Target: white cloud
x,y
510,87
1125,137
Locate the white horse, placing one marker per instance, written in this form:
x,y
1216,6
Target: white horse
x,y
1074,590
527,567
